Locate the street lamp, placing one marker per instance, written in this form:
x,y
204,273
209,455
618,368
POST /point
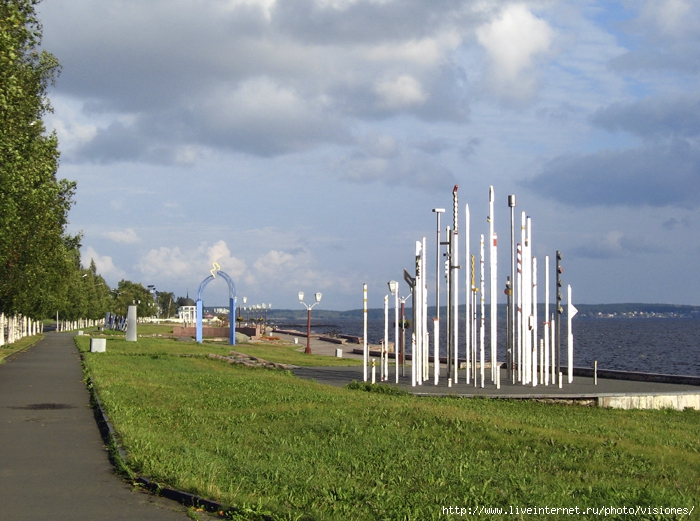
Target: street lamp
x,y
308,318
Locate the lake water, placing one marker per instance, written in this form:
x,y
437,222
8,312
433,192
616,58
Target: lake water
x,y
650,345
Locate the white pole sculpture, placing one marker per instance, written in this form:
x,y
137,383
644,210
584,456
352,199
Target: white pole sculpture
x,y
436,351
425,356
468,297
436,332
474,318
482,330
493,277
365,351
553,348
571,312
385,347
519,316
546,320
2,329
454,279
534,322
396,329
526,302
417,363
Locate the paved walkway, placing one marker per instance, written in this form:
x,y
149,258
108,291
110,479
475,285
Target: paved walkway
x,y
53,464
581,387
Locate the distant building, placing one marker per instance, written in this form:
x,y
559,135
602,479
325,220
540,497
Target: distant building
x,y
187,310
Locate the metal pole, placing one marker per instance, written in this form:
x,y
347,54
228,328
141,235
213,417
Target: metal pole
x,y
511,335
493,284
403,338
468,296
455,283
308,331
365,352
425,354
436,339
546,320
396,332
571,312
385,348
483,312
448,288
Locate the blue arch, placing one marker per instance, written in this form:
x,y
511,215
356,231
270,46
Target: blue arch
x,y
232,305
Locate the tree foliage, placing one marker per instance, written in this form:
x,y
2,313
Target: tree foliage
x,y
39,261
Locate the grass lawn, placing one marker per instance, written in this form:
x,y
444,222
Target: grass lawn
x,y
8,349
281,353
268,442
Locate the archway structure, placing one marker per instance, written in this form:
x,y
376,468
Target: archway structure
x,y
232,304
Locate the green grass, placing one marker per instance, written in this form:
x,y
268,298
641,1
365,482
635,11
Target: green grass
x,y
9,349
281,353
266,441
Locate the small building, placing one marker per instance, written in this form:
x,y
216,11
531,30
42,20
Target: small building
x,y
187,311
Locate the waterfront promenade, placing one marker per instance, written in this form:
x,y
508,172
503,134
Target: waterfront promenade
x,y
608,392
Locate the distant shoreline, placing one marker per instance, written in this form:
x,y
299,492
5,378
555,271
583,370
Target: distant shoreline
x,y
586,311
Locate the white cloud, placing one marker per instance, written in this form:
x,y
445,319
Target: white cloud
x,y
220,254
127,236
400,92
104,263
513,42
166,262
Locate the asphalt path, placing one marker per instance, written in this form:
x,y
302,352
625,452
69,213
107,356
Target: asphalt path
x,y
53,463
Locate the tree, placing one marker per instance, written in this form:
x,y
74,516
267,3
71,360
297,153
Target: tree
x,y
129,293
167,304
37,257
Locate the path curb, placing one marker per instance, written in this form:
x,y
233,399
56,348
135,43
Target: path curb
x,y
118,456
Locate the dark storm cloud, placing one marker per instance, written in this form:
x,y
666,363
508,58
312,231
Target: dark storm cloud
x,y
662,174
677,116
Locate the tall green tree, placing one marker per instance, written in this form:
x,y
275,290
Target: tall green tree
x,y
129,293
37,256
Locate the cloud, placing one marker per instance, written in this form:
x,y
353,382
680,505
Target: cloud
x,y
104,263
380,158
657,174
668,32
169,81
173,263
653,117
166,262
514,41
616,244
127,236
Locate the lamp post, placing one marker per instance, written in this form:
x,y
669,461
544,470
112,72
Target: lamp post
x,y
308,318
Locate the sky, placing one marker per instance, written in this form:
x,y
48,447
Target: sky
x,y
302,144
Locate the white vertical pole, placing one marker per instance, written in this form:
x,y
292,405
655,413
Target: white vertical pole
x,y
546,320
493,278
425,357
436,350
365,351
552,335
468,296
2,329
385,347
436,326
482,338
534,321
474,318
519,317
571,312
396,332
416,366
527,318
455,303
